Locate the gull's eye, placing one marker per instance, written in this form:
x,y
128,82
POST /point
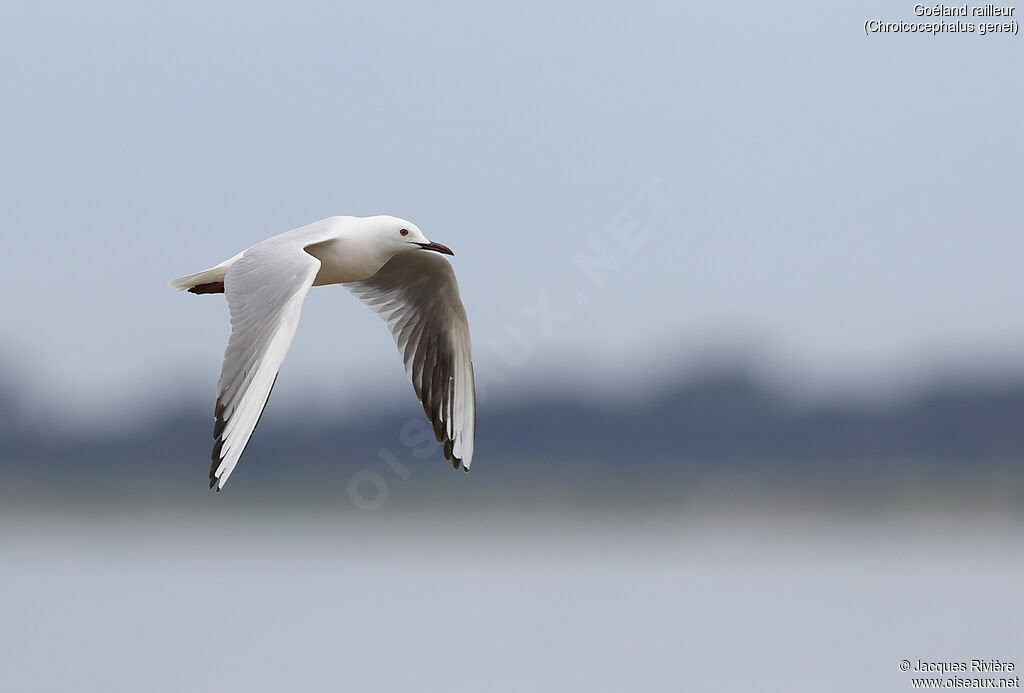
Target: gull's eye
x,y
404,232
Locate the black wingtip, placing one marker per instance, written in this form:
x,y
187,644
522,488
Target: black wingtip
x,y
218,428
215,461
219,422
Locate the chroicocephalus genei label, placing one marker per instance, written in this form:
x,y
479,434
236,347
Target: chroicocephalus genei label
x,y
379,259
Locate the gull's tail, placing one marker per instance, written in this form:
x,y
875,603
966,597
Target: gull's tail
x,y
206,281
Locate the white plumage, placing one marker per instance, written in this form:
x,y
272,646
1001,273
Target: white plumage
x,y
387,263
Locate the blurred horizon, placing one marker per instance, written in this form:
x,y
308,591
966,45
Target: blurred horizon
x,y
724,430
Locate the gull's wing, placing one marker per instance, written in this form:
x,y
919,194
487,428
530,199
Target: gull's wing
x,y
417,296
265,289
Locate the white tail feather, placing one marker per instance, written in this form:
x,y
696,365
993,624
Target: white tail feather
x,y
214,274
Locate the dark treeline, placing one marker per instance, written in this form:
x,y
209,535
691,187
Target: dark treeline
x,y
726,423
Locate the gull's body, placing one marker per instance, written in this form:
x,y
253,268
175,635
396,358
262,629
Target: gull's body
x,y
389,265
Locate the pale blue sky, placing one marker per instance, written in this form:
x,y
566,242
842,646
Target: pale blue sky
x,y
850,204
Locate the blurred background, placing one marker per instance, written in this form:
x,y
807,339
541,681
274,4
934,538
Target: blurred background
x,y
744,287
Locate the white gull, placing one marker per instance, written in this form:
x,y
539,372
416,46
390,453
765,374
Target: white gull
x,y
388,264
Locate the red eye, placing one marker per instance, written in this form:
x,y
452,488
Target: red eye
x,y
404,232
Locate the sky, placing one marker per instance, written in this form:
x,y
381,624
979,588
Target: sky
x,y
628,188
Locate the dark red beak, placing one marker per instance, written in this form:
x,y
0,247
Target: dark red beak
x,y
437,247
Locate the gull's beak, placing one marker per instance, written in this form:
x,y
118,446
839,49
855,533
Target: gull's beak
x,y
437,247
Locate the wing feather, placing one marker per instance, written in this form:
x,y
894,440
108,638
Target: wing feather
x,y
265,289
417,296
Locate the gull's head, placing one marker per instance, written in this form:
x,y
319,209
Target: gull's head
x,y
399,235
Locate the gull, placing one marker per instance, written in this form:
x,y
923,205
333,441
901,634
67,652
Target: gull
x,y
390,266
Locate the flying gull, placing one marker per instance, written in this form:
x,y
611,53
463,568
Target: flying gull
x,y
382,261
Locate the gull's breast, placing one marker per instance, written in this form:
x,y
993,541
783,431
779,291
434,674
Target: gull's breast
x,y
341,262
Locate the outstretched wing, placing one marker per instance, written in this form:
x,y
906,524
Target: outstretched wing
x,y
417,296
265,289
